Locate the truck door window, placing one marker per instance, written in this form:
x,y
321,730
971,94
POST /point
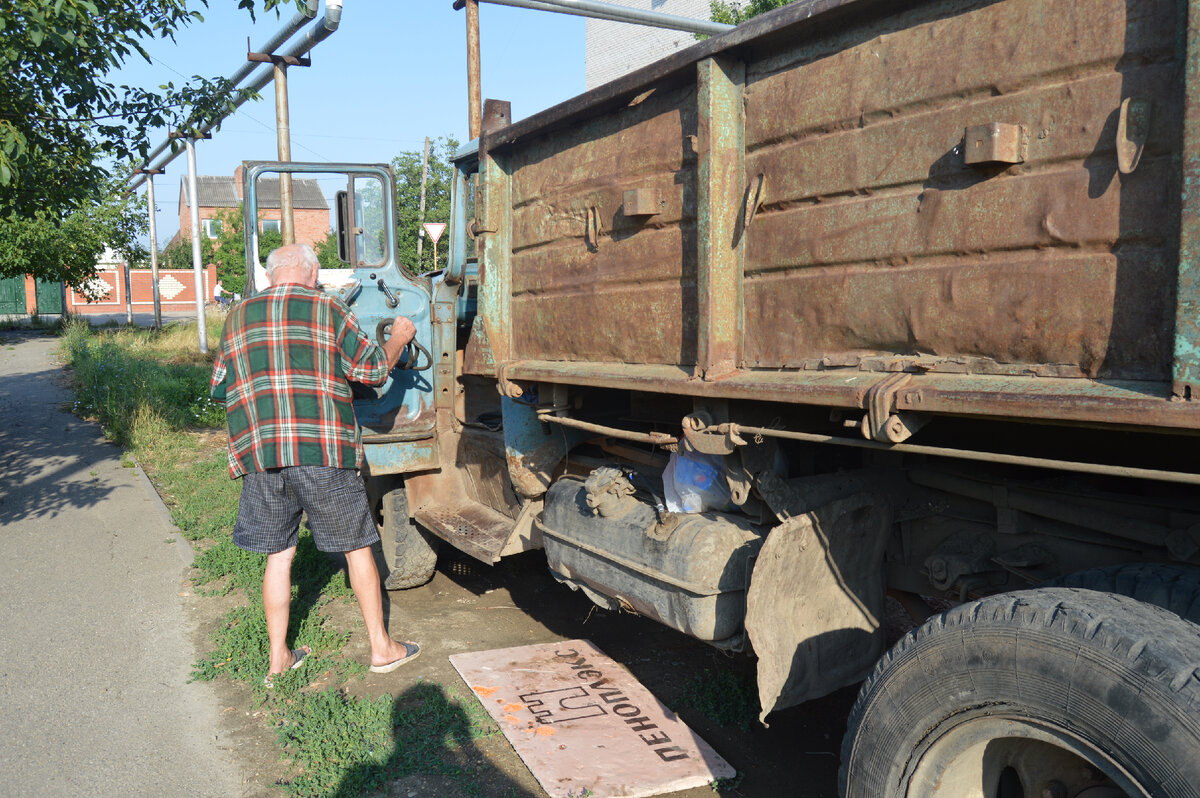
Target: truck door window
x,y
370,221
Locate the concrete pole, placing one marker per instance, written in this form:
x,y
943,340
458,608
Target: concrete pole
x,y
474,92
128,294
197,266
421,214
154,252
287,223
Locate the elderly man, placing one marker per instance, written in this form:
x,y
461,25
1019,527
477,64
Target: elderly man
x,y
282,372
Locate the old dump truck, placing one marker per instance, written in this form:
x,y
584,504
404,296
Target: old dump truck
x,y
923,280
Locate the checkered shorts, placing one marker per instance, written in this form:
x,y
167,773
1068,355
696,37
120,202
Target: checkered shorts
x,y
334,499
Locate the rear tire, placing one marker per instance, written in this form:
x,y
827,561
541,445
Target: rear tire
x,y
1172,586
1054,691
410,552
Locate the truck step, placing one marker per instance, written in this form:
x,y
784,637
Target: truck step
x,y
472,527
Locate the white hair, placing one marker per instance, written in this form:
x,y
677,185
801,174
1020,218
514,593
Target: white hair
x,y
292,256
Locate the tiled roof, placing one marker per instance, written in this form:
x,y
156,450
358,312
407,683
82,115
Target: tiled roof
x,y
221,192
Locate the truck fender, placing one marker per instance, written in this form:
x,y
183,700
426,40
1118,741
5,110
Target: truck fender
x,y
814,611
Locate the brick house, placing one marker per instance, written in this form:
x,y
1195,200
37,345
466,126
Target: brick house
x,y
218,195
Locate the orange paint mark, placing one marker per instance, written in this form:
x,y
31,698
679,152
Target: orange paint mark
x,y
514,707
485,691
544,731
512,719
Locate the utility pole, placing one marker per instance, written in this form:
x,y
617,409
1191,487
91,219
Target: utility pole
x,y
421,214
474,92
283,133
197,266
150,173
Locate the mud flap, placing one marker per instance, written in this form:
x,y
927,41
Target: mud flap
x,y
815,606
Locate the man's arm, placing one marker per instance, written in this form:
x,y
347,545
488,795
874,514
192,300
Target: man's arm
x,y
403,331
216,384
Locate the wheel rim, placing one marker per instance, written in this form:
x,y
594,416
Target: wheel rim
x,y
1005,757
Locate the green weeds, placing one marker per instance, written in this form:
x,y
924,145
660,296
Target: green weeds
x,y
725,697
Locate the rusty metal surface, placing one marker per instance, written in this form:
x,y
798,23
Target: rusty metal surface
x,y
1044,289
1185,367
877,248
719,258
1129,403
584,272
584,725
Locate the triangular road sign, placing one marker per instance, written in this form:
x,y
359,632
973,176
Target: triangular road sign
x,y
434,229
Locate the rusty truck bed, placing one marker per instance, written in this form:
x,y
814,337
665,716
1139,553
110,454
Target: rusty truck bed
x,y
804,207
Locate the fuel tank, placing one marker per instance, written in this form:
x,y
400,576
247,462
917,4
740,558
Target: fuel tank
x,y
688,571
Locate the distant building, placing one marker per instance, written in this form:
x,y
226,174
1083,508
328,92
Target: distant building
x,y
614,49
219,194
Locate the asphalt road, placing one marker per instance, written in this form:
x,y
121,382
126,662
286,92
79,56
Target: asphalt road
x,y
95,646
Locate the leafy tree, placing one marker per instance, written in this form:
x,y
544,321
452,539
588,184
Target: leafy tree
x,y
66,245
227,250
327,252
407,166
735,13
62,120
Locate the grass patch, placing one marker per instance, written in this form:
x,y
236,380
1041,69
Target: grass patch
x,y
725,697
345,746
149,391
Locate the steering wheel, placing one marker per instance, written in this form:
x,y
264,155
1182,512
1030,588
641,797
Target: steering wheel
x,y
383,331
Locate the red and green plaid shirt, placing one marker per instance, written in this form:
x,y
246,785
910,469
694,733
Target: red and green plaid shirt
x,y
282,373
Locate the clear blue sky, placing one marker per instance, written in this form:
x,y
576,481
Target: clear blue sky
x,y
393,73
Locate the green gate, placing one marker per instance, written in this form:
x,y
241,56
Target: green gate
x,y
12,295
49,297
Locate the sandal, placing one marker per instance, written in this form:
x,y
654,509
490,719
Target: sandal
x,y
299,654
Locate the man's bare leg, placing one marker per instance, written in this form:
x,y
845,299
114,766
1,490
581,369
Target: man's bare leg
x,y
364,580
277,602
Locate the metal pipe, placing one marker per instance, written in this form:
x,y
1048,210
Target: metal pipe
x,y
328,24
128,294
1180,477
474,91
194,201
154,252
635,16
287,219
660,438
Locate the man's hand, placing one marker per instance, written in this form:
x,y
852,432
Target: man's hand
x,y
403,331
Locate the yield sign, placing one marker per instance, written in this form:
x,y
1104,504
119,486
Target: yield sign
x,y
434,229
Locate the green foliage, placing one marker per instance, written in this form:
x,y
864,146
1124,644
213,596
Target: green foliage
x,y
735,13
327,252
66,244
62,120
726,698
119,383
227,250
344,746
407,166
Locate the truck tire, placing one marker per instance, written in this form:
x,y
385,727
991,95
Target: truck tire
x,y
1172,586
1048,692
410,552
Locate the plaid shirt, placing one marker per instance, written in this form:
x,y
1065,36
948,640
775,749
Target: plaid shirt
x,y
281,371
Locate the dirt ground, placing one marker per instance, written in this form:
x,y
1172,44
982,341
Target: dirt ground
x,y
472,607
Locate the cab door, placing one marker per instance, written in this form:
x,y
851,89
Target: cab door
x,y
397,419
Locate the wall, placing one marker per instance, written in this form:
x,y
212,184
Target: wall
x,y
614,49
176,289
